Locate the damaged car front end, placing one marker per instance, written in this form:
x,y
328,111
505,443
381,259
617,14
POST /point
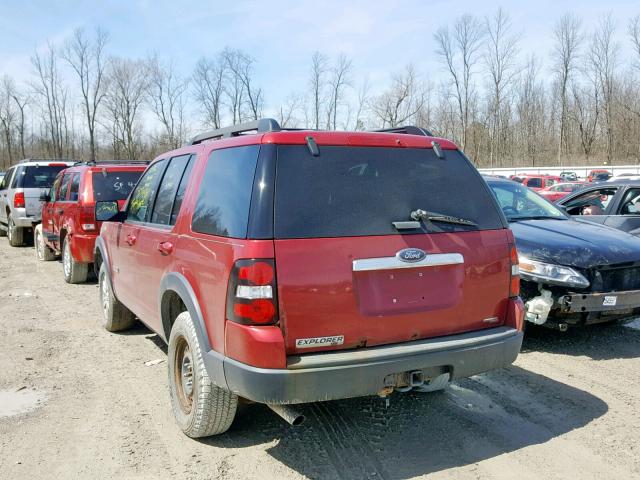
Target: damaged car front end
x,y
572,272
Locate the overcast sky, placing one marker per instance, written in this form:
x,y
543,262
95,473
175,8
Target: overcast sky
x,y
379,36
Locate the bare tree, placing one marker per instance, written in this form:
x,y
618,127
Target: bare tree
x,y
52,93
240,65
500,60
363,99
317,84
634,33
86,58
401,102
339,80
208,81
167,98
603,56
7,115
128,84
292,105
459,50
565,54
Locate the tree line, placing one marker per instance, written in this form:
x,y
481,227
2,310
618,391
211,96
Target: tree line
x,y
577,104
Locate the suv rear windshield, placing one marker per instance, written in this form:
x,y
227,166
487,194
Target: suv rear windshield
x,y
36,176
113,185
357,191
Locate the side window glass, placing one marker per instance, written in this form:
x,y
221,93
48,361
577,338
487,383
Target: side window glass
x,y
5,180
55,188
534,182
16,173
144,193
223,201
593,202
64,187
181,189
75,187
631,202
167,190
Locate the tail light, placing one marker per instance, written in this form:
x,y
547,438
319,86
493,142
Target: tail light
x,y
87,218
251,293
514,284
18,200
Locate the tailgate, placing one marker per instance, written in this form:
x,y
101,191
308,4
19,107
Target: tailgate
x,y
32,202
356,292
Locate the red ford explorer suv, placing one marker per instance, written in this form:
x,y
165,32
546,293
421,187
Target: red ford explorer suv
x,y
286,267
68,223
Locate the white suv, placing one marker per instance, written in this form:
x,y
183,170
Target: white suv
x,y
20,204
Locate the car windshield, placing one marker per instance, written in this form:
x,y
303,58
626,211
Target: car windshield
x,y
109,186
521,203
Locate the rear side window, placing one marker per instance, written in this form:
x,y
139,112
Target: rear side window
x,y
64,188
167,191
75,187
223,201
35,176
181,189
357,191
109,186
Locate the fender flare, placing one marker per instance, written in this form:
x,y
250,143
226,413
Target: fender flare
x,y
101,248
177,283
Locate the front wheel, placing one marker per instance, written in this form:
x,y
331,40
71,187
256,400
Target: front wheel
x,y
15,234
74,272
200,407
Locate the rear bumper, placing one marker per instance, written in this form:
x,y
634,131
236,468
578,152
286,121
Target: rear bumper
x,y
22,220
335,375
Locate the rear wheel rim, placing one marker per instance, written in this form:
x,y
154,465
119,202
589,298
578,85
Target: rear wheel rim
x,y
66,260
104,290
183,375
39,246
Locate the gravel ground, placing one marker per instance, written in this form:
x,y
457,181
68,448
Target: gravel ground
x,y
78,402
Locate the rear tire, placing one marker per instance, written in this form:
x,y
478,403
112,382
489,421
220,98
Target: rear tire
x,y
116,316
201,408
74,272
15,234
43,252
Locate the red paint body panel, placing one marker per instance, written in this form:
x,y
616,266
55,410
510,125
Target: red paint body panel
x,y
320,295
258,346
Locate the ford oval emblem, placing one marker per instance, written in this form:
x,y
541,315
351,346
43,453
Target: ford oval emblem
x,y
411,255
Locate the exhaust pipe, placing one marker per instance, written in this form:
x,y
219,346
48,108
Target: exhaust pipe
x,y
289,414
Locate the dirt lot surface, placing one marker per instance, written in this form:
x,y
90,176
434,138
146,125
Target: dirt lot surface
x,y
78,402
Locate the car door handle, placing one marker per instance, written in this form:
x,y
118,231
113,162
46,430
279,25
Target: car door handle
x,y
60,211
165,248
131,240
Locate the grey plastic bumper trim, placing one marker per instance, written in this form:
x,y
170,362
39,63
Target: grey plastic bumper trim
x,y
393,263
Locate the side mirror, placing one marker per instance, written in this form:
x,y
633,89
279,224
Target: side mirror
x,y
108,211
45,195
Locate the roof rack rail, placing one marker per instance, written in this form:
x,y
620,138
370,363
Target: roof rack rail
x,y
262,125
112,162
407,130
25,160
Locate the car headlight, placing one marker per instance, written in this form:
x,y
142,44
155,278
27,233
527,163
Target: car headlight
x,y
550,273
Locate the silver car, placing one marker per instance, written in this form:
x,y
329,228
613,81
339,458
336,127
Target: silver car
x,y
20,204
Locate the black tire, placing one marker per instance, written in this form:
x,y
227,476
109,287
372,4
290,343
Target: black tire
x,y
43,252
15,234
200,408
3,233
116,316
74,272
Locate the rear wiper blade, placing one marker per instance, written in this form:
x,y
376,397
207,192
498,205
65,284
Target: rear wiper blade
x,y
440,217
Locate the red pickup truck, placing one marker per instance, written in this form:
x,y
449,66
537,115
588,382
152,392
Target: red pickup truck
x,y
69,227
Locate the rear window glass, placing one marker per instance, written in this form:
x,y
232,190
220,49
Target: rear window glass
x,y
36,176
113,185
223,201
356,191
